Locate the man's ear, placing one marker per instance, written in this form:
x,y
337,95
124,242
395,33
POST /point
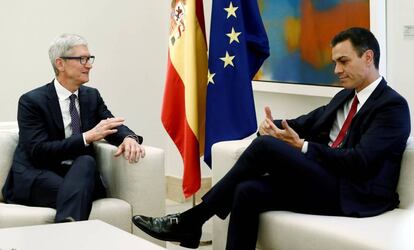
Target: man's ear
x,y
60,64
369,57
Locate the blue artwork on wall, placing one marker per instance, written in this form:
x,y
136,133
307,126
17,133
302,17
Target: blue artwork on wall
x,y
299,33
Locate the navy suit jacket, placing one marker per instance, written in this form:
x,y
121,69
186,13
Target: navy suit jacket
x,y
42,144
368,162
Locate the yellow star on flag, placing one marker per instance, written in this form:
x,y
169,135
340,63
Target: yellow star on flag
x,y
231,10
234,36
228,59
210,77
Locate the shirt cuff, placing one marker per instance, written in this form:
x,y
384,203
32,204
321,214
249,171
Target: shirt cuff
x,y
84,140
304,147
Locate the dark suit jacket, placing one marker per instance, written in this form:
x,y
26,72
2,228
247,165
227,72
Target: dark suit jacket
x,y
368,162
42,144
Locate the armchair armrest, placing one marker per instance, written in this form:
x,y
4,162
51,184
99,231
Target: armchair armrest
x,y
405,187
225,154
141,184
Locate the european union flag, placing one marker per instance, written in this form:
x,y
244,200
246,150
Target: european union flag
x,y
238,47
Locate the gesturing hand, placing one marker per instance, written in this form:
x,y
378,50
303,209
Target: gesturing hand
x,y
289,135
131,150
265,128
286,134
103,128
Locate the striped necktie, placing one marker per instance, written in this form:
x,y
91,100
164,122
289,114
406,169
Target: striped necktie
x,y
74,115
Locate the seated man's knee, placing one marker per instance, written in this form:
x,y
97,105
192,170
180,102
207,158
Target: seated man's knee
x,y
86,158
87,165
266,143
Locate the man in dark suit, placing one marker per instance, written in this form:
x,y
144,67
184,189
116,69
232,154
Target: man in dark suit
x,y
54,164
340,159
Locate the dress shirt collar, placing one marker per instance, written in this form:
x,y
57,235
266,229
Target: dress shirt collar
x,y
63,93
364,94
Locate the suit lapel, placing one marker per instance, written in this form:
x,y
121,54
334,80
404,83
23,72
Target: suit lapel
x,y
332,109
83,106
340,102
362,113
323,125
54,107
371,99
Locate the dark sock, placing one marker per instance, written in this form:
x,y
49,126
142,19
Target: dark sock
x,y
197,215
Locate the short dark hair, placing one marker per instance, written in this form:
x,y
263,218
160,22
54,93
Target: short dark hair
x,y
361,39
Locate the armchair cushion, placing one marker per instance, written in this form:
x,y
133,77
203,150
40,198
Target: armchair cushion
x,y
14,215
113,211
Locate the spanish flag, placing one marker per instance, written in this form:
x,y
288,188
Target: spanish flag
x,y
183,110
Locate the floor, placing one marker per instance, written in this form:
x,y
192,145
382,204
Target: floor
x,y
174,207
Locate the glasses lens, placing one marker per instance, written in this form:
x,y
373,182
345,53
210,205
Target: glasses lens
x,y
87,59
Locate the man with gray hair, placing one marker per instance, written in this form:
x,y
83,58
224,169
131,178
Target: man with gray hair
x,y
54,164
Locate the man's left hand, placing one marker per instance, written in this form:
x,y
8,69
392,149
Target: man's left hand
x,y
131,150
286,134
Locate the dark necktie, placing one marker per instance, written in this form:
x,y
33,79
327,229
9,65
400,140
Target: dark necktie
x,y
346,124
74,115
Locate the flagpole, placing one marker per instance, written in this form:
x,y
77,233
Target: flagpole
x,y
194,200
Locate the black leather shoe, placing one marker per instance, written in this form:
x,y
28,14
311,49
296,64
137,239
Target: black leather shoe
x,y
169,228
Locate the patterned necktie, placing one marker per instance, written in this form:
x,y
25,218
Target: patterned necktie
x,y
347,123
74,115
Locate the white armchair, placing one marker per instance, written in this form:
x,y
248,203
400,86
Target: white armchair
x,y
287,230
132,189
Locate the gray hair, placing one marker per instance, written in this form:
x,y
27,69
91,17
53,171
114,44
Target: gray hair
x,y
62,46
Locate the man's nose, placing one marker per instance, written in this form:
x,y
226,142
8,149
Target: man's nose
x,y
338,69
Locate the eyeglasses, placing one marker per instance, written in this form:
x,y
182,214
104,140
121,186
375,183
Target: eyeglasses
x,y
82,59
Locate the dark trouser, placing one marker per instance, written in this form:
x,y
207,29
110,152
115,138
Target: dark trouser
x,y
270,175
69,189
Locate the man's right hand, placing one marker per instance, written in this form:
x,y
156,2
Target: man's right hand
x,y
265,128
103,129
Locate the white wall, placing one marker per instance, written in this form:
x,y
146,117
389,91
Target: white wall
x,y
129,39
400,51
